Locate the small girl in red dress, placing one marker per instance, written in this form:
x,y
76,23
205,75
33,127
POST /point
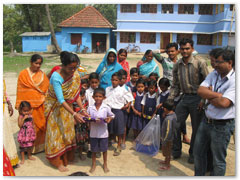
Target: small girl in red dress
x,y
26,135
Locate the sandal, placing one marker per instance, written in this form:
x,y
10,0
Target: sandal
x,y
117,152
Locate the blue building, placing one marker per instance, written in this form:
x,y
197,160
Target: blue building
x,y
79,33
153,26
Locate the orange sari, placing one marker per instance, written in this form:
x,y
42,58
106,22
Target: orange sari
x,y
32,88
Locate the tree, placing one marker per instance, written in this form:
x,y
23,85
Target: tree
x,y
52,30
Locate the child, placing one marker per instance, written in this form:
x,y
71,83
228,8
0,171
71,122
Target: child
x,y
81,129
149,102
116,98
167,133
94,83
99,131
26,135
134,73
163,84
121,59
153,76
84,83
126,108
136,106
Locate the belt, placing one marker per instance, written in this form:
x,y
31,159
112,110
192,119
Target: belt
x,y
218,121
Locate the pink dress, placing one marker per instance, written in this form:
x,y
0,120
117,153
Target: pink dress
x,y
27,135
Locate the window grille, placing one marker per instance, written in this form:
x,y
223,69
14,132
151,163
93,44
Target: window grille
x,y
214,39
148,38
149,8
216,9
205,9
167,8
186,9
128,8
76,38
127,37
181,36
221,8
204,39
220,39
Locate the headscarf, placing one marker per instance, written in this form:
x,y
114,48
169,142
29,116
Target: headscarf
x,y
105,70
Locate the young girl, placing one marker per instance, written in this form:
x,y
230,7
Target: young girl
x,y
136,106
149,102
26,135
81,129
134,73
121,58
116,98
163,84
99,130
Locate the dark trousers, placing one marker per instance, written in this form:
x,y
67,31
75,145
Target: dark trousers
x,y
187,105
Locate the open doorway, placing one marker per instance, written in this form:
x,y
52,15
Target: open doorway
x,y
165,39
98,43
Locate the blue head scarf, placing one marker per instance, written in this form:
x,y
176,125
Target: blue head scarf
x,y
106,70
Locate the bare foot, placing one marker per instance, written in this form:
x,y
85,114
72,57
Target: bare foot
x,y
92,169
162,162
82,157
164,168
22,162
31,158
186,140
62,168
105,168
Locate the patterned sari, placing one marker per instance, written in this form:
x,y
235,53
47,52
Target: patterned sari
x,y
60,135
32,87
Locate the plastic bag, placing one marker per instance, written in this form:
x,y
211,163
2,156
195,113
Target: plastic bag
x,y
148,141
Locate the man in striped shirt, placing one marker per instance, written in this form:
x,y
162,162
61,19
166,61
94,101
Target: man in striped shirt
x,y
188,73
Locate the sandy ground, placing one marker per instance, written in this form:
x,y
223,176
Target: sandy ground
x,y
129,163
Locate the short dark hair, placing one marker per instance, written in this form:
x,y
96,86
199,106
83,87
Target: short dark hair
x,y
172,45
227,55
24,104
116,74
184,41
152,83
134,70
155,75
168,104
121,73
68,58
99,90
79,173
84,81
93,75
164,81
82,92
122,51
35,57
214,51
140,81
147,52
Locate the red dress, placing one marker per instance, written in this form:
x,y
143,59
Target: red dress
x,y
7,167
125,66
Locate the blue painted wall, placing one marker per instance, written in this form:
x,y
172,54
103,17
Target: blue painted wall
x,y
35,43
174,23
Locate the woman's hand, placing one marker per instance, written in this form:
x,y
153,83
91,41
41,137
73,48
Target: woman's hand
x,y
10,109
78,118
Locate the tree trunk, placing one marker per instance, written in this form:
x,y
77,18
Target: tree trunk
x,y
11,46
52,30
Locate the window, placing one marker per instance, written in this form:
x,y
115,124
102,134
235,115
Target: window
x,y
205,9
220,39
204,39
41,37
167,8
181,36
128,8
76,38
149,8
147,37
231,7
214,39
186,9
34,37
221,8
216,10
127,37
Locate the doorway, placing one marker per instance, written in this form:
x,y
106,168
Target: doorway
x,y
98,43
165,40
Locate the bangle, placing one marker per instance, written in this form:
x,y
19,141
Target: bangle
x,y
74,114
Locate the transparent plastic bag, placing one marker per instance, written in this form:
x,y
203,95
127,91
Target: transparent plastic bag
x,y
148,141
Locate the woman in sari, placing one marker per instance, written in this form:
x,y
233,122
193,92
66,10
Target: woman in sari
x,y
64,89
8,139
147,65
108,67
32,87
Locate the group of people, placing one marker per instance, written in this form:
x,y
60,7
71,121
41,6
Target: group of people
x,y
69,108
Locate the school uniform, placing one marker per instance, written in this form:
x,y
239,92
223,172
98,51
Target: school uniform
x,y
132,87
99,131
161,98
137,121
89,94
149,102
116,99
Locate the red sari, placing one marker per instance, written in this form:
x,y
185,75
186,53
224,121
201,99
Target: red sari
x,y
7,167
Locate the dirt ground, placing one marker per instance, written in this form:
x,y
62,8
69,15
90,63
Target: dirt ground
x,y
129,163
